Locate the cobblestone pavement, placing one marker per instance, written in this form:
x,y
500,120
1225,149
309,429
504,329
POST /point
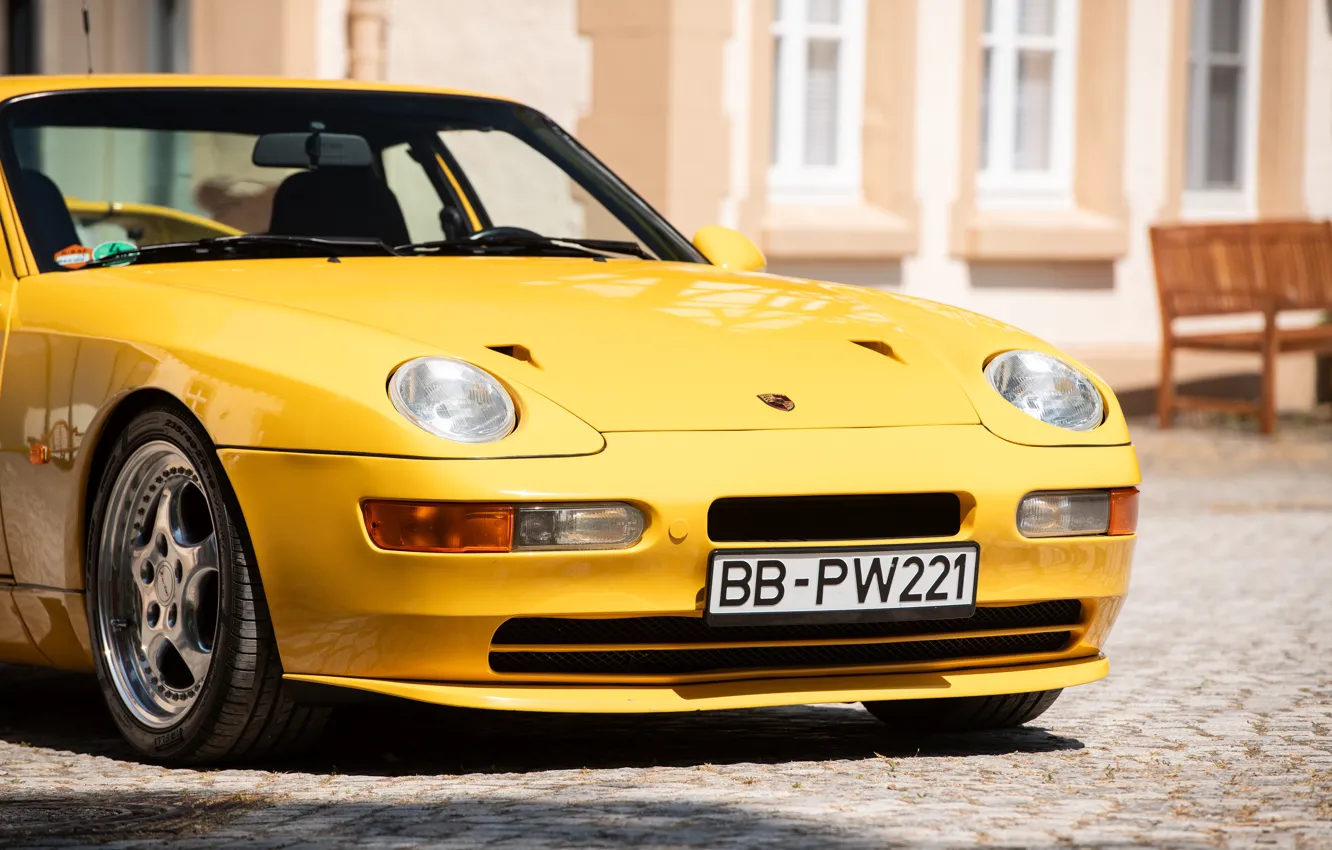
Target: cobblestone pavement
x,y
1214,729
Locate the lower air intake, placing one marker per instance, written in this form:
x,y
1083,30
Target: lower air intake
x,y
670,662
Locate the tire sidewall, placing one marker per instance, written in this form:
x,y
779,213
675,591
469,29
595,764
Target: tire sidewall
x,y
179,740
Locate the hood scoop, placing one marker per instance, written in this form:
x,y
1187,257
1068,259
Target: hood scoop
x,y
879,347
517,352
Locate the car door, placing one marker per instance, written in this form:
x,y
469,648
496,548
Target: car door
x,y
16,644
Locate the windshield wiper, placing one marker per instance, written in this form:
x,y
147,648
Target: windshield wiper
x,y
547,245
245,245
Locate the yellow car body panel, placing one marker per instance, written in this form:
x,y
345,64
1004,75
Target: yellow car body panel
x,y
640,386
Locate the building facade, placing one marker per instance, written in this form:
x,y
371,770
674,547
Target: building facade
x,y
1006,156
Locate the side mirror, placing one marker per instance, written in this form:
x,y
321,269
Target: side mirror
x,y
729,249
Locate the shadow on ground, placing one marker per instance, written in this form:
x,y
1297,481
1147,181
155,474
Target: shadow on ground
x,y
615,821
396,738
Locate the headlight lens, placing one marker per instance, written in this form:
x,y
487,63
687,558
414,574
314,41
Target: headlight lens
x,y
452,399
1046,388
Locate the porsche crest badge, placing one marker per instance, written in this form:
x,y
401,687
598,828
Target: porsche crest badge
x,y
777,400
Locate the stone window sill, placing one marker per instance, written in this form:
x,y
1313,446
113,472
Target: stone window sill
x,y
1039,235
844,232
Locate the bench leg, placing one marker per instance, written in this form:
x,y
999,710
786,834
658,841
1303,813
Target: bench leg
x,y
1267,401
1165,391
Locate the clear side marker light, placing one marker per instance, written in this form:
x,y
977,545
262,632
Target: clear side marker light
x,y
603,526
1066,514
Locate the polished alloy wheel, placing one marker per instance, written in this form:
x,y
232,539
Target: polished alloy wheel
x,y
158,582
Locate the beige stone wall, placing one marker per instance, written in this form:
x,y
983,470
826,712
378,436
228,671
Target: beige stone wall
x,y
529,50
119,37
656,114
271,37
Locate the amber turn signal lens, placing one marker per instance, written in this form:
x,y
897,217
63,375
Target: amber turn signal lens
x,y
439,526
1123,511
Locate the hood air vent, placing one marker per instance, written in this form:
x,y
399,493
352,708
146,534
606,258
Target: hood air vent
x,y
517,352
879,347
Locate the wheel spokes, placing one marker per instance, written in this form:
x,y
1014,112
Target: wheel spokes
x,y
150,613
162,518
159,634
196,560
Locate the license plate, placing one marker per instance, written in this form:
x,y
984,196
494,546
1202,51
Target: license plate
x,y
861,585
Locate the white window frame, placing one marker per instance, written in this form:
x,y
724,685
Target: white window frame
x,y
1223,203
999,184
790,180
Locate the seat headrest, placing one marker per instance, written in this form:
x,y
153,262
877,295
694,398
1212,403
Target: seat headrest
x,y
46,218
338,202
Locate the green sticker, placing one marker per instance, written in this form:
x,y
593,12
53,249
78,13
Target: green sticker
x,y
129,253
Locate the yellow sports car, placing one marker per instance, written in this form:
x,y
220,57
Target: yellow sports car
x,y
437,407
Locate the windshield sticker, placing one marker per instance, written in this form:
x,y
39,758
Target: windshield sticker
x,y
128,252
73,257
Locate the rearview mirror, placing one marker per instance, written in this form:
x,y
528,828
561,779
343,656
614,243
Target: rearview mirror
x,y
729,249
315,149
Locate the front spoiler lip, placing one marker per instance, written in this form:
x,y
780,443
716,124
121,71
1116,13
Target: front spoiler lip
x,y
750,693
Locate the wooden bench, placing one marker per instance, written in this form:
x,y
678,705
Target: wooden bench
x,y
1224,269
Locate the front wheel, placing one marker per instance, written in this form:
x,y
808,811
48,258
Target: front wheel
x,y
183,645
962,714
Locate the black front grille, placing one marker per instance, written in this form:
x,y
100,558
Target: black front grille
x,y
785,519
668,662
638,630
627,636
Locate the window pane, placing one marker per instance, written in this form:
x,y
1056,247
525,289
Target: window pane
x,y
987,60
824,11
416,195
1036,17
1227,25
520,187
523,169
776,98
1035,101
210,176
987,22
821,82
777,10
1223,128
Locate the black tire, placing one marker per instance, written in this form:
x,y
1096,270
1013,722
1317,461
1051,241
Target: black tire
x,y
962,714
242,710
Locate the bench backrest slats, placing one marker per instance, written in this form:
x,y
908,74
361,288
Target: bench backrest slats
x,y
1210,269
1297,264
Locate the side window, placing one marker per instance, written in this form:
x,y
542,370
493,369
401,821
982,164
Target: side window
x,y
519,187
416,195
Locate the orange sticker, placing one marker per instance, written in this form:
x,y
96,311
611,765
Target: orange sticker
x,y
73,257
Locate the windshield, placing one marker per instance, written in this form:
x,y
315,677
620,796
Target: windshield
x,y
100,171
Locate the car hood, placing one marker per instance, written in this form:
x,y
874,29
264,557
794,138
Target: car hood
x,y
630,345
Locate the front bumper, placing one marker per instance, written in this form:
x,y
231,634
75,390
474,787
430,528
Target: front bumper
x,y
707,696
345,612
